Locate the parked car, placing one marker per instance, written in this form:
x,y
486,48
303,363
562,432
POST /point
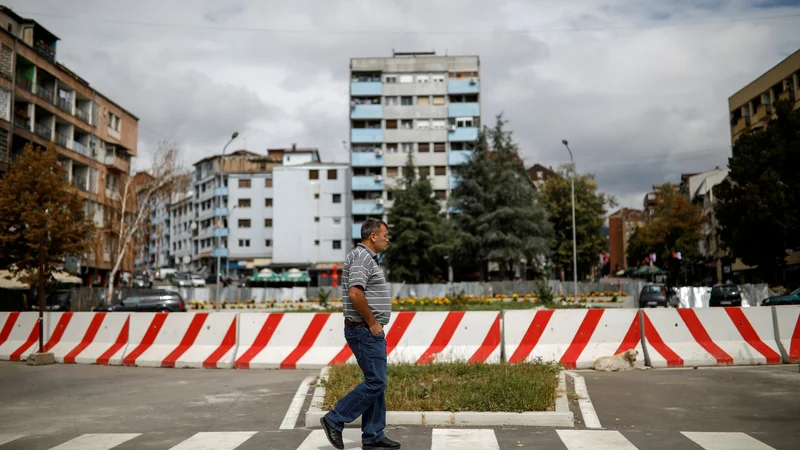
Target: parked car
x,y
151,300
54,301
725,295
181,280
197,280
653,295
163,273
792,298
142,281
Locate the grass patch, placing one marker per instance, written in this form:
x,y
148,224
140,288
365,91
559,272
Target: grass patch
x,y
456,386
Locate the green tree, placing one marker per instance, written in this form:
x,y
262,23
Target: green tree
x,y
496,215
419,234
758,205
590,215
41,220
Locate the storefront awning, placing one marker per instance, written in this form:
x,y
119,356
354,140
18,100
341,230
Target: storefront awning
x,y
9,281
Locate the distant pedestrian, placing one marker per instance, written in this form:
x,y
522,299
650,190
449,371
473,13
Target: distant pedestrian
x,y
367,307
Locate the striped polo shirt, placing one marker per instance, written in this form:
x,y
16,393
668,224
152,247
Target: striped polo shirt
x,y
361,268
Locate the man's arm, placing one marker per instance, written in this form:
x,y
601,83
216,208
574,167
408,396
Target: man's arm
x,y
359,301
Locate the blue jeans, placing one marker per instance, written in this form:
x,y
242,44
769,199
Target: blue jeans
x,y
367,399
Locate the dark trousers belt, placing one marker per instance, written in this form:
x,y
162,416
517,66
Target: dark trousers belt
x,y
350,323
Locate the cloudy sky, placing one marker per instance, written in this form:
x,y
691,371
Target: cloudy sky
x,y
639,88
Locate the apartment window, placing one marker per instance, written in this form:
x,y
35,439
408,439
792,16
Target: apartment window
x,y
391,101
316,241
391,148
437,78
390,79
337,245
391,171
438,100
267,203
244,242
337,198
423,147
425,171
423,78
313,174
268,182
113,122
406,78
438,147
423,124
406,100
316,219
332,174
390,195
244,183
268,243
440,170
438,124
423,101
316,196
441,194
406,147
267,223
407,124
337,220
244,223
391,124
244,203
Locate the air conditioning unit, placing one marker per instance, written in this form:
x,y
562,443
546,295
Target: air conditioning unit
x,y
379,201
473,81
452,128
378,178
378,152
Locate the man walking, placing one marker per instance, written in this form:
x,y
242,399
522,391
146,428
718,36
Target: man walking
x,y
367,307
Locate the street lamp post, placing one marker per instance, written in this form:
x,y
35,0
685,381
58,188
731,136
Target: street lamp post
x,y
574,240
218,222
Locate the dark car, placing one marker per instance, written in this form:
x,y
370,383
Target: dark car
x,y
653,295
725,295
792,298
181,279
148,301
55,301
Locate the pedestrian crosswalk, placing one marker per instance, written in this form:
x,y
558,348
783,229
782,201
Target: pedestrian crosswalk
x,y
420,438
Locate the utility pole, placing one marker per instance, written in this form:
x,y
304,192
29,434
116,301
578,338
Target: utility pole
x,y
574,239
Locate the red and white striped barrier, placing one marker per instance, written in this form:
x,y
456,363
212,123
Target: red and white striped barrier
x,y
86,337
179,340
788,322
290,341
710,336
575,338
19,335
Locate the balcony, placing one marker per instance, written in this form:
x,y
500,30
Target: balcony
x,y
366,88
366,111
464,110
78,147
44,131
463,134
221,212
64,105
366,159
82,115
115,162
741,125
367,183
220,192
80,183
24,83
454,181
355,231
458,157
62,139
463,87
366,135
223,252
220,232
45,94
366,207
22,123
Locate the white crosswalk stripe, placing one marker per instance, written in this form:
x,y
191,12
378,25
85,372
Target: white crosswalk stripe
x,y
318,441
725,441
215,441
464,439
8,437
594,440
104,441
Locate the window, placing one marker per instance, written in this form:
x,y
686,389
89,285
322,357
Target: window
x,y
440,170
423,124
268,182
244,242
337,245
332,174
113,122
268,243
441,195
313,174
425,171
244,183
438,124
390,79
406,100
244,223
423,147
407,124
337,198
423,78
391,148
438,100
391,124
406,147
438,147
267,203
316,196
423,101
244,203
390,195
316,219
437,78
391,101
391,171
316,241
337,220
267,223
406,78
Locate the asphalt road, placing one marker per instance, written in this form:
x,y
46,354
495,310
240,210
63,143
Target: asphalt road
x,y
49,406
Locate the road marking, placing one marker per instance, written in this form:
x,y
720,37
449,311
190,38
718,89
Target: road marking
x,y
96,441
215,441
720,441
5,438
317,440
594,440
290,419
464,439
590,419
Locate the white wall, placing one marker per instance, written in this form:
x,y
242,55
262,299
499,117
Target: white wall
x,y
258,234
295,229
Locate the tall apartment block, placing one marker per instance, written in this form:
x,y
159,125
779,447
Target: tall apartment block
x,y
42,101
416,103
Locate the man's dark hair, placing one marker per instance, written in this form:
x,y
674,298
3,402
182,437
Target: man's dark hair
x,y
371,225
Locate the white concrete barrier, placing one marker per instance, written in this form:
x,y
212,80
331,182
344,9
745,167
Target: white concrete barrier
x,y
787,320
19,335
709,337
87,337
206,340
575,338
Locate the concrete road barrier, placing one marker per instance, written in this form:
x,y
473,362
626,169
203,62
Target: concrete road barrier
x,y
787,332
86,337
19,335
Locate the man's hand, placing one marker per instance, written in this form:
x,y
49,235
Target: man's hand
x,y
376,329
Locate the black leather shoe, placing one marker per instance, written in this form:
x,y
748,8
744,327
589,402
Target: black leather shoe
x,y
334,437
384,443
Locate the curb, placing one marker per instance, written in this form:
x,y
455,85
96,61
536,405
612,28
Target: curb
x,y
561,417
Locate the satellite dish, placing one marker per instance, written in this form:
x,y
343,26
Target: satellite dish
x,y
193,226
187,259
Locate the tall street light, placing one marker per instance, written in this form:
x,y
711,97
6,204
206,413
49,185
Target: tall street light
x,y
218,212
574,240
